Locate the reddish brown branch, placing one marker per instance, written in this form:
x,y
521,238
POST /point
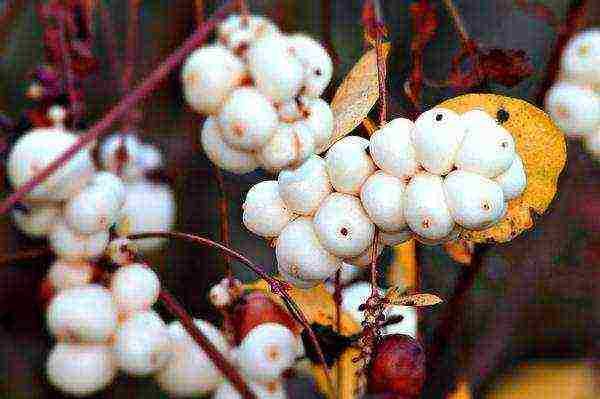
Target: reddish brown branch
x,y
224,218
458,22
142,91
213,353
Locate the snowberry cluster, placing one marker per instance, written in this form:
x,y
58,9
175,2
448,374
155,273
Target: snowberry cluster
x,y
260,89
574,100
426,179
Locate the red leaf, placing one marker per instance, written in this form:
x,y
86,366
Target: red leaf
x,y
505,66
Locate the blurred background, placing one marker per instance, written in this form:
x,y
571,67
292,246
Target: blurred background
x,y
528,326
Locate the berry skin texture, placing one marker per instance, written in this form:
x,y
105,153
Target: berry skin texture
x,y
290,146
425,208
395,238
63,274
67,243
264,212
38,221
304,188
271,390
86,314
382,197
397,366
297,282
476,118
300,254
514,180
208,76
93,209
112,184
35,150
392,149
238,33
248,120
148,207
142,344
135,288
364,259
277,73
318,67
222,154
189,371
575,109
320,119
488,150
475,202
342,226
80,370
580,60
437,137
266,352
349,165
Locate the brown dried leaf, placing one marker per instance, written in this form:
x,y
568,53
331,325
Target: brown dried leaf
x,y
417,300
356,95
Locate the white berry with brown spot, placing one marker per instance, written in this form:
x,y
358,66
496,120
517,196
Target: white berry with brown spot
x,y
239,32
575,109
318,67
580,60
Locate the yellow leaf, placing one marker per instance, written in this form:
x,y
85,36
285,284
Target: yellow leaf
x,y
460,251
417,300
541,145
356,95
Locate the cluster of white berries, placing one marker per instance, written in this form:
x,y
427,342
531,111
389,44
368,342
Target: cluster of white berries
x,y
260,89
426,179
574,100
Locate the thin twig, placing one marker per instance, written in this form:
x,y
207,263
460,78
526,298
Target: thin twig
x,y
224,219
143,90
337,298
458,22
228,370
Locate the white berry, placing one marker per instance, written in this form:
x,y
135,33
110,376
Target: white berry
x,y
64,274
112,184
580,59
305,187
342,225
318,67
69,244
86,313
290,145
93,209
135,288
437,137
349,165
80,370
239,32
575,109
38,220
514,180
392,149
425,208
208,76
264,212
382,196
248,120
222,154
475,202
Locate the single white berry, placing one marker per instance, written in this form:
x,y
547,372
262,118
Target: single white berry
x,y
38,220
80,370
382,196
342,225
69,244
475,202
305,187
135,288
121,251
318,67
425,208
264,212
248,120
120,155
87,313
575,109
148,207
209,75
580,59
222,154
267,351
514,180
111,183
189,371
219,296
93,209
393,239
392,149
36,150
142,344
271,390
437,137
366,257
290,145
239,32
64,274
277,72
349,165
301,255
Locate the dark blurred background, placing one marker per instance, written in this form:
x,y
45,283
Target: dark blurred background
x,y
533,300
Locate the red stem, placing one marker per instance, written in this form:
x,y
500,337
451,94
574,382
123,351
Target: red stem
x,y
142,91
213,353
224,219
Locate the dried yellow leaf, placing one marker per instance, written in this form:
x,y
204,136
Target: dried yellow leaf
x,y
357,94
541,145
460,251
417,300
